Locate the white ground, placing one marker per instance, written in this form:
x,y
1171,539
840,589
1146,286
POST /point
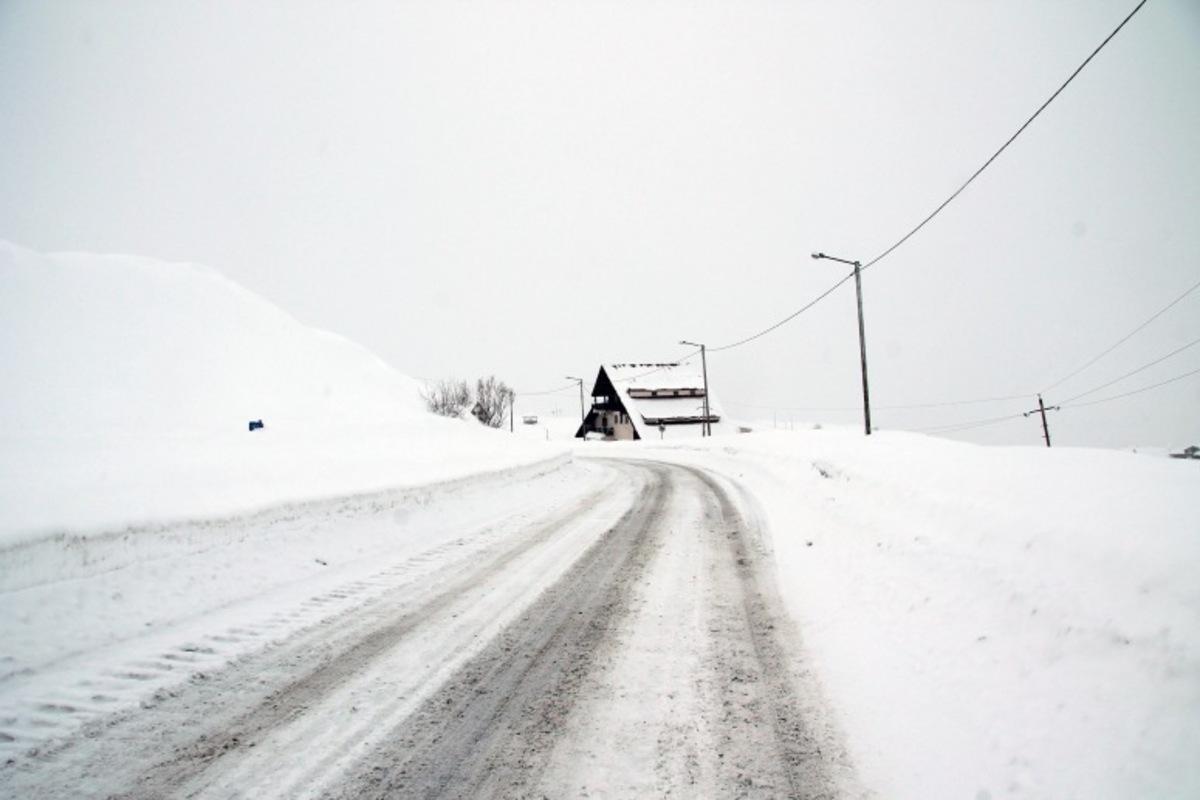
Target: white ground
x,y
985,622
988,622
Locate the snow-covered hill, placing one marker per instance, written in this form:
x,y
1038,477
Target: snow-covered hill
x,y
129,384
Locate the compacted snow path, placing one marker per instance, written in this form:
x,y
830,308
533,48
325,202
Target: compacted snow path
x,y
622,639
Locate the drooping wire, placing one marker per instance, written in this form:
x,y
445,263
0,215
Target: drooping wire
x,y
945,202
902,407
1159,360
570,385
1135,391
785,320
968,425
1004,146
1124,338
678,362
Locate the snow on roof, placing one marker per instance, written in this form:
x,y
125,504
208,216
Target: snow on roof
x,y
646,412
655,376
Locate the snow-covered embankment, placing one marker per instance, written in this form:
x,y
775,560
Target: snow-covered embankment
x,y
129,383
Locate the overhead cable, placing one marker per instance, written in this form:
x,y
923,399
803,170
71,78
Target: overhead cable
x,y
1135,391
1124,338
902,407
570,385
1004,146
785,320
1192,343
967,425
660,368
945,202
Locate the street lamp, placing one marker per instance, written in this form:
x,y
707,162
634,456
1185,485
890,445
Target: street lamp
x,y
582,413
706,426
862,340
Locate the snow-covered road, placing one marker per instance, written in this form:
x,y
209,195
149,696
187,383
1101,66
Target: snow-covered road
x,y
587,628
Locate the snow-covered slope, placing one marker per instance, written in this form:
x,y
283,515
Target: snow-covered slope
x,y
129,383
988,622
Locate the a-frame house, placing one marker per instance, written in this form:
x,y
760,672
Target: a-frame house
x,y
649,401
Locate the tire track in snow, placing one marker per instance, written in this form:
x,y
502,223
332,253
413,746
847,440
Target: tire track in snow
x,y
557,704
489,731
190,731
759,690
491,716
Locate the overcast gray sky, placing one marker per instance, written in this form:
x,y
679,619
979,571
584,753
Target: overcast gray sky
x,y
533,188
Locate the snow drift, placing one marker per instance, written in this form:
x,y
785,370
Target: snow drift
x,y
129,383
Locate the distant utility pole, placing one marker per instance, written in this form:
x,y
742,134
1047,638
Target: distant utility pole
x,y
862,338
512,410
582,413
1042,409
706,426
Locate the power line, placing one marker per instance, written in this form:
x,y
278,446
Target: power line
x,y
969,424
1004,146
949,403
547,391
944,203
1069,402
573,384
1135,391
762,407
1124,338
785,320
902,407
660,368
1192,343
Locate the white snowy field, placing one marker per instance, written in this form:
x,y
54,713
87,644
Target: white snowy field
x,y
129,384
986,622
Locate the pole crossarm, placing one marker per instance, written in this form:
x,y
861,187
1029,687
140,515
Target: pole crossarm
x,y
1042,409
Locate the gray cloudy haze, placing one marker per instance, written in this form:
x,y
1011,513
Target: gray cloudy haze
x,y
532,188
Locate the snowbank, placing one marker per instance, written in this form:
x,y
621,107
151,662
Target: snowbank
x,y
129,383
988,622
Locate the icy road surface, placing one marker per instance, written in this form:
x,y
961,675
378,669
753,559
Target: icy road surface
x,y
600,629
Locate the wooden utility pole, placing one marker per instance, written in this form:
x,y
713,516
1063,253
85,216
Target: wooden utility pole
x,y
862,350
582,413
706,424
862,336
1042,409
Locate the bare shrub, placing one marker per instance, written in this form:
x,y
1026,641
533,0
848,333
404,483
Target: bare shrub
x,y
492,401
449,397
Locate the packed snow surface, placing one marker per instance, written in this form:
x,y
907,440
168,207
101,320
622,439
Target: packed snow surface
x,y
987,622
129,384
